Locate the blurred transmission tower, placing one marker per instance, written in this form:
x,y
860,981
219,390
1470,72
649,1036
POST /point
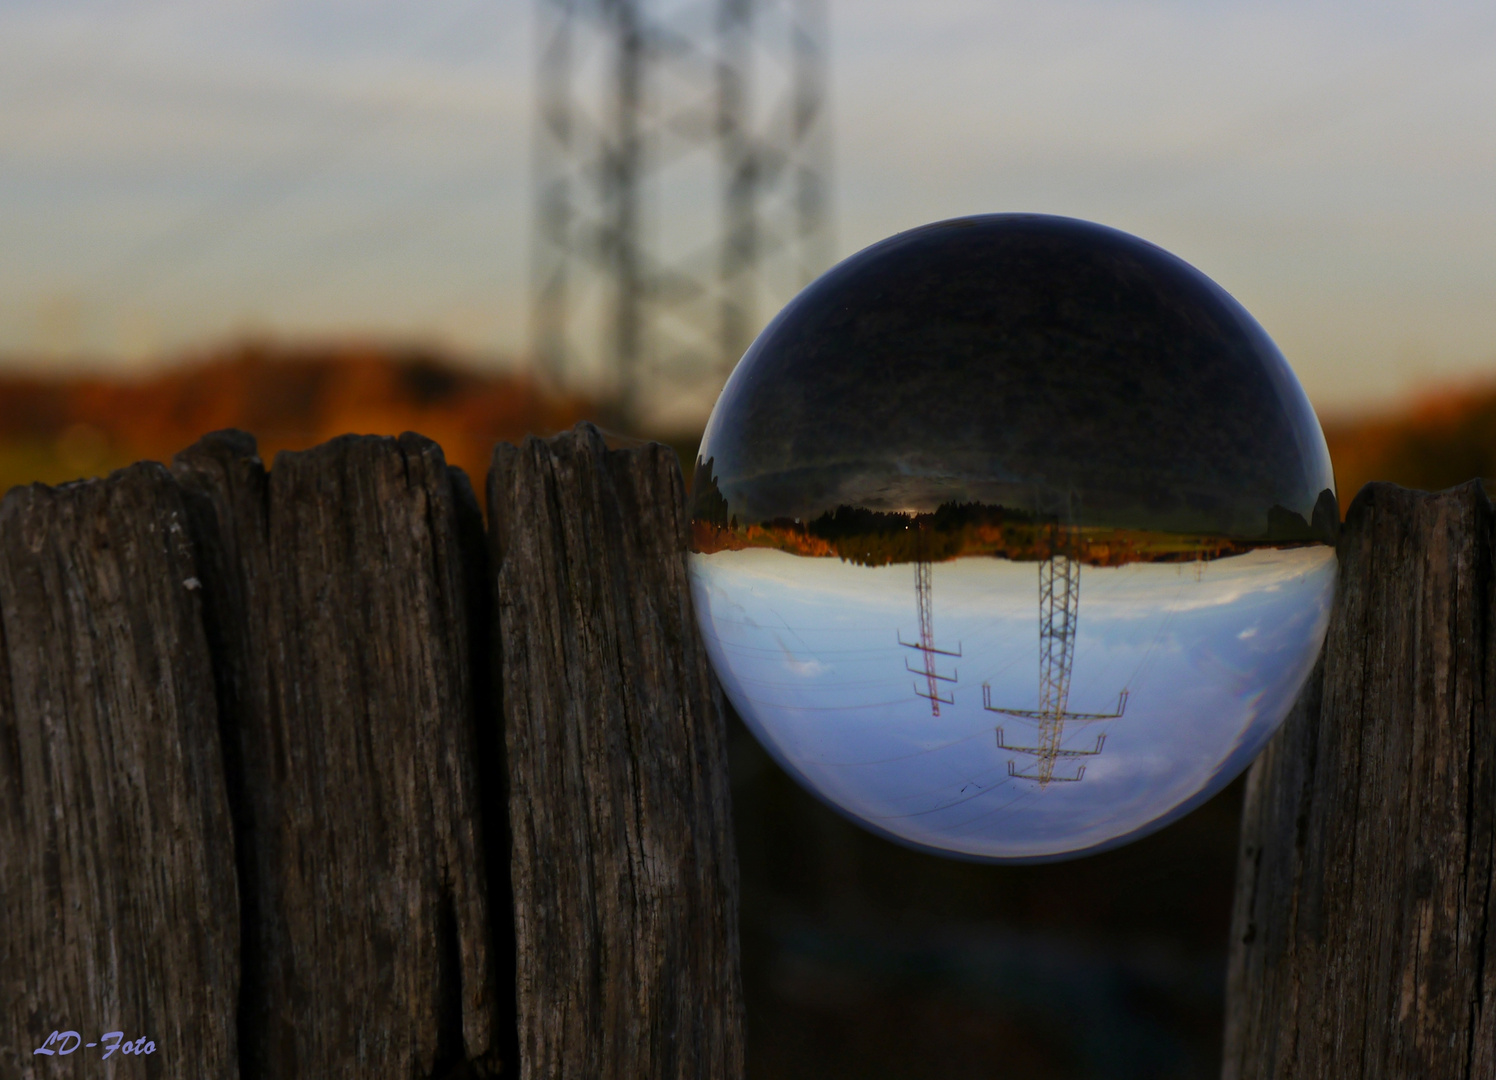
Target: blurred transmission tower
x,y
681,193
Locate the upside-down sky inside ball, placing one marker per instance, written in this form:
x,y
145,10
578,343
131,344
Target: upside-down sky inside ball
x,y
1012,537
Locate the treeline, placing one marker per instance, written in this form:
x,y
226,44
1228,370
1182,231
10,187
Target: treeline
x,y
957,529
1015,539
291,395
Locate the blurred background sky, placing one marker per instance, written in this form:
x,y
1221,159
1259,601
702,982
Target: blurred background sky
x,y
174,173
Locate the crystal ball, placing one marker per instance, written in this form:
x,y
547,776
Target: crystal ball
x,y
1012,538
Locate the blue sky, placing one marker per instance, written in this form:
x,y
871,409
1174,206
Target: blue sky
x,y
1212,654
174,171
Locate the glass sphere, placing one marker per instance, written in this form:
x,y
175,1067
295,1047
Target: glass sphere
x,y
1013,538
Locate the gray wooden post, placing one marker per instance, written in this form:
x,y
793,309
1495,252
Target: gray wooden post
x,y
337,591
118,908
255,776
1359,939
625,876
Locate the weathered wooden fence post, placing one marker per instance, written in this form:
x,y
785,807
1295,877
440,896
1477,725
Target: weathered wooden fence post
x,y
118,910
338,591
1360,945
625,876
253,770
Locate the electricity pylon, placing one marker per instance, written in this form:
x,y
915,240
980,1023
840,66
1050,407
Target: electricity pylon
x,y
680,184
1059,612
926,643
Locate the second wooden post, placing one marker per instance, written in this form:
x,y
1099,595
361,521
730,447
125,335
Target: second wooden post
x,y
624,873
1360,944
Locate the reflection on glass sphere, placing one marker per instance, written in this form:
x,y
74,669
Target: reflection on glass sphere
x,y
1012,537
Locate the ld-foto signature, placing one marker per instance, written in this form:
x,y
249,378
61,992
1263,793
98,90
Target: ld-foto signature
x,y
63,1043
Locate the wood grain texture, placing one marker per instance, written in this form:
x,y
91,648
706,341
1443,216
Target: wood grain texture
x,y
624,872
118,909
1359,938
341,591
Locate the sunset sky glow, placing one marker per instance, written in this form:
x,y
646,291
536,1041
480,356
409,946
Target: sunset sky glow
x,y
174,172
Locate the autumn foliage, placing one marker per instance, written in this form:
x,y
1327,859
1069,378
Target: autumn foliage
x,y
1435,442
959,529
1018,540
292,396
289,397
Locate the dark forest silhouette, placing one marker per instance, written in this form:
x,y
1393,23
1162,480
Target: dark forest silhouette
x,y
957,529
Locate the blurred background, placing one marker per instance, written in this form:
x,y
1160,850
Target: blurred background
x,y
482,218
